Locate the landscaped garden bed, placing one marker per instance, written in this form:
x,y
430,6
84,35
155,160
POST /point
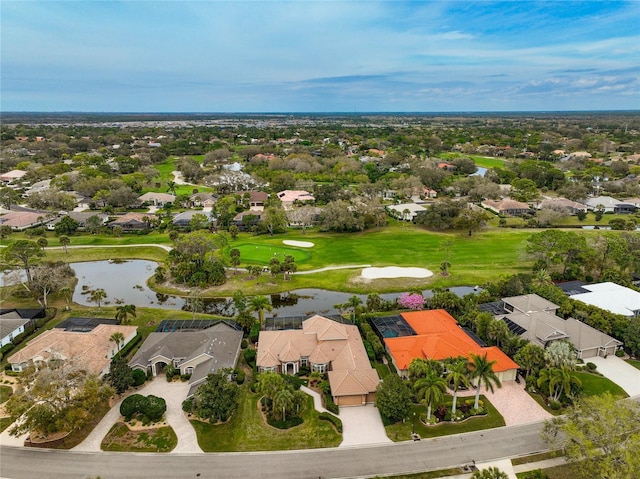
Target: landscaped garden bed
x,y
155,439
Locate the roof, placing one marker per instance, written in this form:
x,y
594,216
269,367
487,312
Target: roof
x,y
92,349
562,203
439,337
504,205
9,322
153,196
220,342
611,297
606,201
323,341
530,302
12,175
21,219
186,216
289,196
132,217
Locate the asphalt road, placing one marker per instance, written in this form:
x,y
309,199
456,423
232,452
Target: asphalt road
x,y
405,457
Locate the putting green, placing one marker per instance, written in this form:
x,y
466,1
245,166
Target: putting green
x,y
262,254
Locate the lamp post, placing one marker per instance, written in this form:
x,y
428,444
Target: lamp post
x,y
413,424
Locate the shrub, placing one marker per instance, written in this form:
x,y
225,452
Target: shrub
x,y
290,422
131,406
243,344
170,372
154,408
330,405
254,332
325,416
440,412
294,381
591,367
187,405
139,377
240,376
250,356
555,405
620,353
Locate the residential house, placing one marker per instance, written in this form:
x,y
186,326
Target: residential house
x,y
204,200
80,217
157,199
92,349
435,334
11,326
405,211
12,175
447,166
325,346
183,220
22,220
291,197
534,318
256,199
133,221
507,207
246,219
572,207
194,353
611,297
607,202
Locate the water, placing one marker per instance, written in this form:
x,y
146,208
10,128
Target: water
x,y
126,283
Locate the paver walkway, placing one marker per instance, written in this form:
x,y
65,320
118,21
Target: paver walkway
x,y
513,402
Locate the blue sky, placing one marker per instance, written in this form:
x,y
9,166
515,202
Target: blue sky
x,y
319,56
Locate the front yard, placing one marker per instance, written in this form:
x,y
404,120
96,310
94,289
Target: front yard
x,y
401,431
247,430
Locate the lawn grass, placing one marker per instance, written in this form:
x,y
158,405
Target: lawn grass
x,y
565,471
594,385
5,393
166,169
426,475
483,161
120,438
634,362
382,369
402,431
76,255
5,422
247,431
257,253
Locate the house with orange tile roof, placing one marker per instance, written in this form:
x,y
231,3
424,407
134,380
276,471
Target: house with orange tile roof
x,y
91,350
325,346
437,335
289,197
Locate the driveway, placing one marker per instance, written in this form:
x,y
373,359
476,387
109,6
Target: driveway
x,y
362,425
514,403
620,372
173,393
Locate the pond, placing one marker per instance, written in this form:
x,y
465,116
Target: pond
x,y
125,282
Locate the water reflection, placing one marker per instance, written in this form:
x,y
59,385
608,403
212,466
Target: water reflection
x,y
126,283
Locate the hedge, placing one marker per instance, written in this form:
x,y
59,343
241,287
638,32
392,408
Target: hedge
x,y
128,347
330,405
325,416
290,422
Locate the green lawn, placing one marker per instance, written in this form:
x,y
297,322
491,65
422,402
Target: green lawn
x,y
5,422
5,392
634,362
120,438
257,253
382,369
484,161
593,385
402,431
166,168
246,431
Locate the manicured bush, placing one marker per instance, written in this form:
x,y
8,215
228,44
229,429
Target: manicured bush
x,y
294,381
254,332
131,406
330,405
129,347
591,367
289,423
555,405
154,408
325,416
240,376
187,405
250,356
243,344
620,353
139,377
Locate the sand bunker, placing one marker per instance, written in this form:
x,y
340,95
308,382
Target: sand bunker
x,y
301,244
395,272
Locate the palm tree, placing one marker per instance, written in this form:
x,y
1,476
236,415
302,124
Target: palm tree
x,y
541,278
497,331
482,370
97,295
353,302
171,187
123,312
557,381
430,389
259,304
64,241
117,338
283,399
457,376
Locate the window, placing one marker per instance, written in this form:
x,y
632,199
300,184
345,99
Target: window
x,y
189,370
304,362
321,368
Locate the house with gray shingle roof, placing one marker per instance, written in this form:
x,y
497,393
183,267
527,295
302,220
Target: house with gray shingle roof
x,y
197,353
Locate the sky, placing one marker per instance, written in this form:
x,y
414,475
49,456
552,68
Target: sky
x,y
319,56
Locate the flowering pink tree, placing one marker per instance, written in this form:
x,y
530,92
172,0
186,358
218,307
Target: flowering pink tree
x,y
411,301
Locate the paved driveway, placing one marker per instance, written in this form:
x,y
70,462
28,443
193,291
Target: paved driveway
x,y
620,372
173,393
514,403
362,425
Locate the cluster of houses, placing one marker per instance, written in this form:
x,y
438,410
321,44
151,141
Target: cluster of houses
x,y
201,347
